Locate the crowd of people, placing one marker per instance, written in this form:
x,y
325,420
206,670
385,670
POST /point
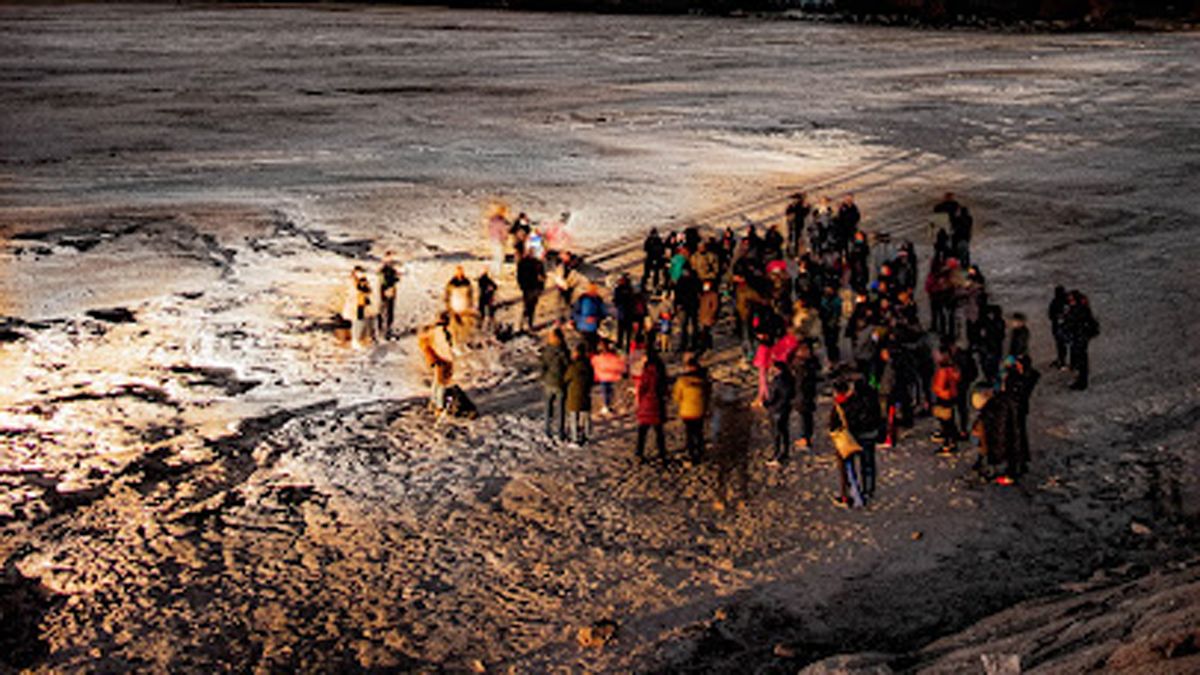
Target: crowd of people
x,y
816,305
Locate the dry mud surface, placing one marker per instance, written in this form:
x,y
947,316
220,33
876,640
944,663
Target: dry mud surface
x,y
195,474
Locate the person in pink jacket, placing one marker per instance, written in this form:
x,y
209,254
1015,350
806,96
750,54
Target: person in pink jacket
x,y
609,367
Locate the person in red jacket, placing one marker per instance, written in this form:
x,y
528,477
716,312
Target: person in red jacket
x,y
652,405
945,392
609,367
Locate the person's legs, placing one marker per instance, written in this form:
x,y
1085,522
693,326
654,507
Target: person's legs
x,y
438,395
660,442
868,467
844,467
964,411
806,426
782,438
1060,347
550,412
606,389
694,430
641,441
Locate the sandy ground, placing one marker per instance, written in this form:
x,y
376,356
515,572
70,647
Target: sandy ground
x,y
215,480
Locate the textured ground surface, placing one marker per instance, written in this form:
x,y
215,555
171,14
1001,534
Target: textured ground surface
x,y
213,478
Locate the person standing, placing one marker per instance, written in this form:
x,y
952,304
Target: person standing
x,y
554,362
623,299
578,381
1081,328
460,302
781,399
437,347
945,391
1058,314
797,212
652,267
359,310
968,373
808,375
389,279
651,395
856,410
588,314
487,300
609,366
687,308
830,312
1018,336
531,277
691,393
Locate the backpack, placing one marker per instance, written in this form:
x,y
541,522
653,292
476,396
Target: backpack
x,y
458,404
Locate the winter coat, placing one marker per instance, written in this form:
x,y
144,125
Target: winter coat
x,y
945,383
807,323
784,348
998,430
862,413
434,343
578,380
460,296
608,366
531,275
554,361
746,297
652,394
691,393
589,312
678,262
706,265
1018,342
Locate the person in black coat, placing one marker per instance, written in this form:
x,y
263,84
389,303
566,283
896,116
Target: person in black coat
x,y
998,429
808,376
687,307
1057,315
968,373
531,277
1081,327
861,407
1018,338
781,396
655,262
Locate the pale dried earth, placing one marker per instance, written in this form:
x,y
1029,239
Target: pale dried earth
x,y
213,481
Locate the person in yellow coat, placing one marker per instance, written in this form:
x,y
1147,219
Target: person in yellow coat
x,y
692,393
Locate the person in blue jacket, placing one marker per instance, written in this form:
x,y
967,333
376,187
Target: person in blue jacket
x,y
588,314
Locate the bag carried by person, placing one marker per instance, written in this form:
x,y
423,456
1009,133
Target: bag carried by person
x,y
843,441
943,412
459,404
